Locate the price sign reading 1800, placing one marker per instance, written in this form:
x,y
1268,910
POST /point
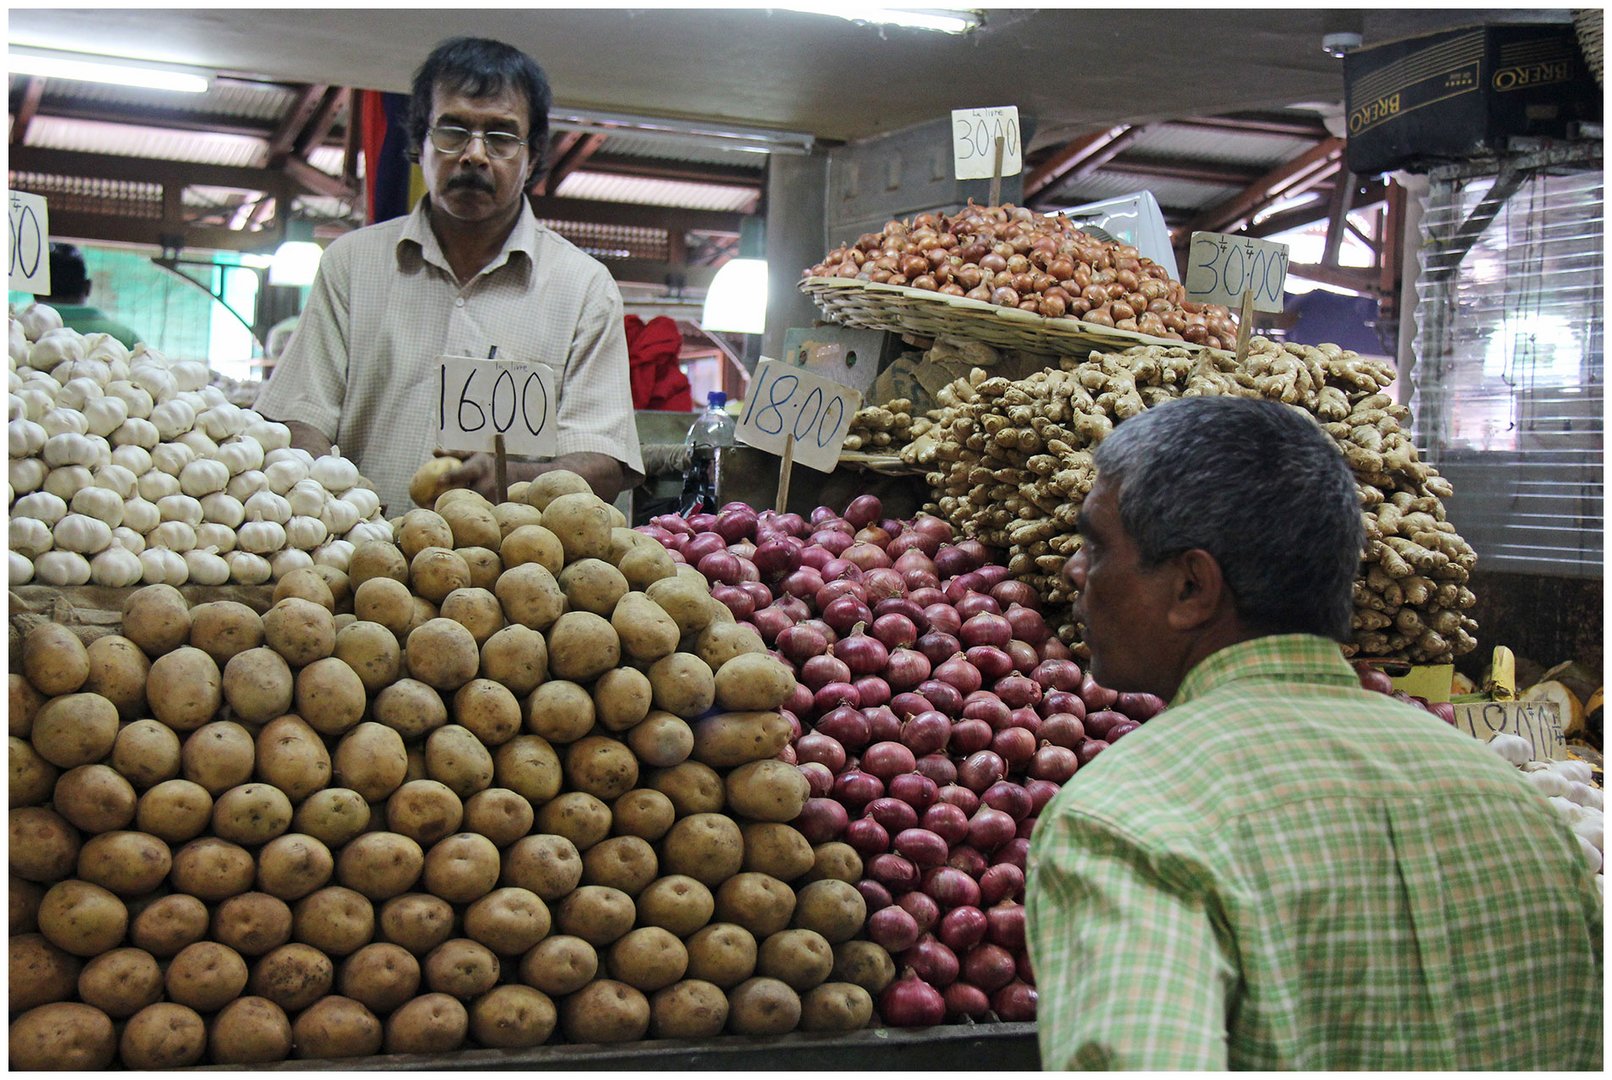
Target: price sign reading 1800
x,y
785,401
1221,268
478,399
974,135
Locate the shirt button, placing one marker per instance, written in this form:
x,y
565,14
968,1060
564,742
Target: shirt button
x,y
459,302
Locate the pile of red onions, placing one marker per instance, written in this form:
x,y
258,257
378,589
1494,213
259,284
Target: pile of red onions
x,y
935,716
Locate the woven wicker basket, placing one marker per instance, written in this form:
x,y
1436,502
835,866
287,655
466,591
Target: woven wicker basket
x,y
1588,23
916,311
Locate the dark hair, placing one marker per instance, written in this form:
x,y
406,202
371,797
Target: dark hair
x,y
69,277
479,67
1259,486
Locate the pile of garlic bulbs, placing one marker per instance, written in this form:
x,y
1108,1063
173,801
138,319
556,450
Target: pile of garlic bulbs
x,y
129,469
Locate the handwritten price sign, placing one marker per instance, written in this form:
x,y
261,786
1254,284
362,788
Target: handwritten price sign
x,y
478,399
974,135
785,401
30,244
1221,268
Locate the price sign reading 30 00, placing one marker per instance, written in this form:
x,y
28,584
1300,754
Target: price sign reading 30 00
x,y
478,399
974,135
785,401
1221,268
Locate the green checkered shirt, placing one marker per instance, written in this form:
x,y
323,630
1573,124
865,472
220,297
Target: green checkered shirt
x,y
1285,871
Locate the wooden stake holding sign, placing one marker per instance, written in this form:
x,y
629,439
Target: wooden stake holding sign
x,y
1245,325
1237,270
786,467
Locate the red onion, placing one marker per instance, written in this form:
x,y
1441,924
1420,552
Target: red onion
x,y
887,760
1017,691
968,860
771,621
883,724
1013,591
992,663
832,695
943,619
938,767
776,558
845,725
986,629
672,523
1041,792
864,510
867,836
875,895
736,524
845,612
1006,925
1088,749
908,704
978,551
721,566
1015,746
962,928
1027,719
830,540
959,673
900,605
658,534
800,643
822,820
1014,1003
872,690
794,707
1003,881
818,671
905,668
978,604
814,746
960,797
1053,649
876,535
951,561
703,544
1015,852
803,582
990,829
966,1000
991,574
915,789
911,541
1139,707
924,580
894,631
892,928
984,705
836,588
1124,727
1025,829
1062,701
911,1002
736,599
1099,723
938,646
842,569
1057,675
946,821
927,732
855,789
1055,763
926,597
913,560
822,513
921,907
1008,797
934,963
921,846
814,557
701,522
868,557
1028,625
819,778
894,873
989,967
950,886
929,525
893,814
1095,696
862,654
942,695
981,769
970,736
1023,655
1022,963
880,584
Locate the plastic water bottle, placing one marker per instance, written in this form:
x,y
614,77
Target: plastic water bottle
x,y
711,430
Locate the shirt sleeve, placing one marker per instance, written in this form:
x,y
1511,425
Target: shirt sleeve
x,y
309,382
1130,972
596,413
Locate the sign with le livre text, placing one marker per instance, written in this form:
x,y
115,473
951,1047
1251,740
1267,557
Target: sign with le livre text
x,y
974,135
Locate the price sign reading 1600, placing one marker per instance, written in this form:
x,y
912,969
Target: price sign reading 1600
x,y
786,402
477,399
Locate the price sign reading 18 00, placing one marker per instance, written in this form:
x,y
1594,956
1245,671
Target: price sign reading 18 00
x,y
974,135
785,401
478,399
1221,268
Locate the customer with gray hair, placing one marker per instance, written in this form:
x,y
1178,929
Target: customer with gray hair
x,y
1282,870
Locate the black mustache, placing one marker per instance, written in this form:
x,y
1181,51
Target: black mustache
x,y
474,181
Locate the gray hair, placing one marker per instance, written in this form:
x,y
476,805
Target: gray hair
x,y
1259,486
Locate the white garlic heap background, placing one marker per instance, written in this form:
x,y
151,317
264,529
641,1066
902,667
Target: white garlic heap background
x,y
129,469
1569,786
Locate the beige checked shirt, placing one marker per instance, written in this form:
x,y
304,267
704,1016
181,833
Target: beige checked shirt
x,y
385,305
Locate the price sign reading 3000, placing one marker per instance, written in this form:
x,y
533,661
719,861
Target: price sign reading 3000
x,y
478,399
974,135
1221,268
785,401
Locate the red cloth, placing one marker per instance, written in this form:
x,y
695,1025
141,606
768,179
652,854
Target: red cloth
x,y
652,350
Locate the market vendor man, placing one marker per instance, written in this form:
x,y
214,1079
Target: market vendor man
x,y
469,270
1283,870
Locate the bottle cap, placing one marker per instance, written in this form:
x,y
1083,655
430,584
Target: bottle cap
x,y
717,398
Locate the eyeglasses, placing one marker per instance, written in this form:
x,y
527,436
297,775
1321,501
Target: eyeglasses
x,y
451,139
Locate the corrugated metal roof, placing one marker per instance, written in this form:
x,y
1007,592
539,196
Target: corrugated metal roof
x,y
632,189
135,140
328,159
225,97
1221,147
1110,184
122,197
666,149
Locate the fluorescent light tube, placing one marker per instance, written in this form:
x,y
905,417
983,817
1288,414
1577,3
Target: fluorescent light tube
x,y
104,69
941,20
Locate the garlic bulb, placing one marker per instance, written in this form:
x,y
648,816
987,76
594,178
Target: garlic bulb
x,y
156,484
105,347
55,347
115,477
105,415
127,539
307,497
203,477
17,408
100,503
340,516
270,435
66,481
267,506
70,448
221,508
42,506
244,485
337,554
135,397
289,453
62,568
96,372
173,418
77,392
305,533
213,396
335,473
180,508
240,455
21,567
288,560
25,437
19,343
221,538
37,320
206,567
82,533
173,535
141,515
370,530
172,457
136,432
198,441
365,501
160,566
189,375
116,567
260,537
27,474
154,380
284,474
60,421
39,402
221,421
248,569
31,536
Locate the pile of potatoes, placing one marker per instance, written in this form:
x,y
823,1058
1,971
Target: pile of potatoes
x,y
512,779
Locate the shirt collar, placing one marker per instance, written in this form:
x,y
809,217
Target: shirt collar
x,y
1278,657
417,232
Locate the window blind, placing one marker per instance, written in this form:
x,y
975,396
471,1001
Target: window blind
x,y
1509,377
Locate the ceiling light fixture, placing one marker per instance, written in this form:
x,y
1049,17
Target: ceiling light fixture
x,y
736,302
686,132
296,260
83,67
940,20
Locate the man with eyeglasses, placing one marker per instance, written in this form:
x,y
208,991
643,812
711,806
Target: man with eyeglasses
x,y
468,271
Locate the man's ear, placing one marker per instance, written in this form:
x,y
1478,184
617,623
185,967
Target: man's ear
x,y
1200,590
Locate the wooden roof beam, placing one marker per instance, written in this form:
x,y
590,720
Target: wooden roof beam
x,y
323,123
574,158
1207,172
294,123
33,89
1290,127
1077,158
1303,173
